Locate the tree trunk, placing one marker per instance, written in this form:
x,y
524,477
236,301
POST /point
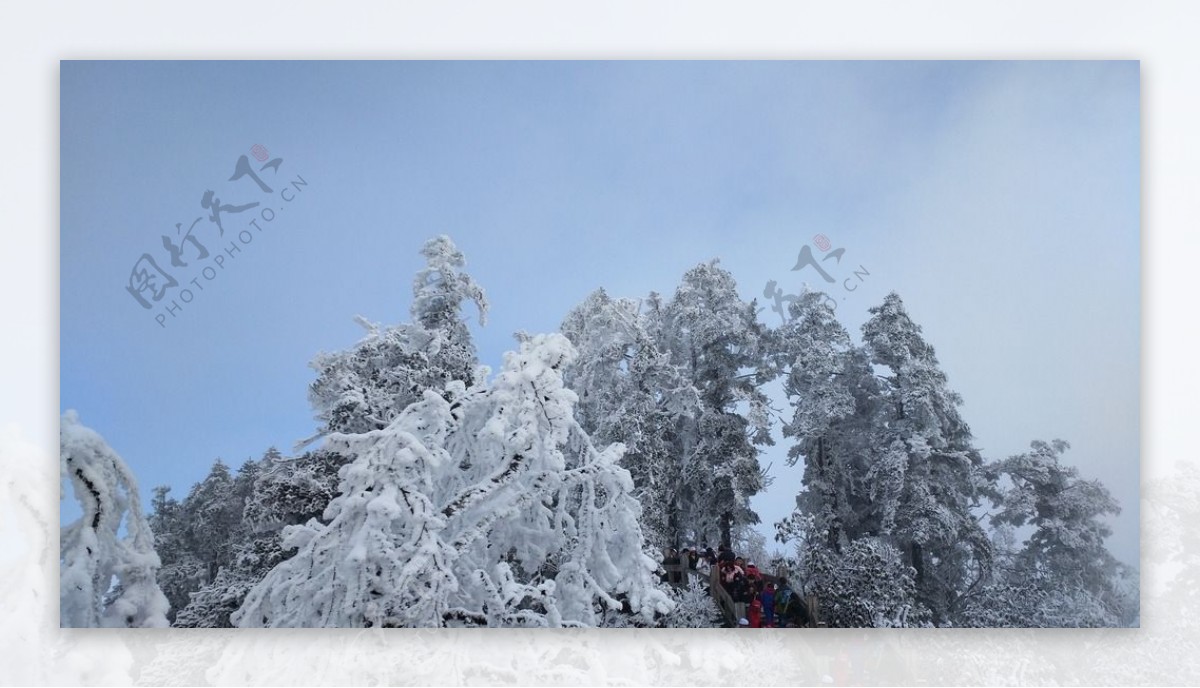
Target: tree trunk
x,y
833,533
727,528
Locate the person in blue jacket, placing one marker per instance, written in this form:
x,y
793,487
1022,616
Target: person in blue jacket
x,y
768,605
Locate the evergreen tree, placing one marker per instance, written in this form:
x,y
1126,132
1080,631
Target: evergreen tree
x,y
927,476
358,390
679,384
291,490
213,604
439,291
835,401
212,514
182,572
266,496
365,387
718,341
1065,559
866,584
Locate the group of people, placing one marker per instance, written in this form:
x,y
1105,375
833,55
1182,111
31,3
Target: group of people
x,y
759,600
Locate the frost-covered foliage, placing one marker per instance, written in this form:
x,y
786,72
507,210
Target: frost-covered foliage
x,y
812,350
93,555
371,564
267,495
439,291
929,477
480,505
212,515
694,608
443,497
213,604
892,479
182,572
717,339
1075,579
677,383
364,388
292,490
367,386
751,545
866,584
200,536
630,391
836,405
855,470
359,390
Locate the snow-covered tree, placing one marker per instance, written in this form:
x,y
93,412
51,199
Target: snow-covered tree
x,y
717,339
1078,582
558,508
216,533
484,505
864,582
378,555
439,291
694,608
678,384
365,387
182,572
268,494
291,490
835,401
212,605
631,392
94,558
867,584
927,476
891,476
212,516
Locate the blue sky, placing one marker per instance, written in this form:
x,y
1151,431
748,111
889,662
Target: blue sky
x,y
1001,200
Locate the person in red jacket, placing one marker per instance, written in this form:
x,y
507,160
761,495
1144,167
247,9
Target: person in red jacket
x,y
755,612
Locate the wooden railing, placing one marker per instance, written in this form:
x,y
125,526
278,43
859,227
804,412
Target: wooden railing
x,y
721,596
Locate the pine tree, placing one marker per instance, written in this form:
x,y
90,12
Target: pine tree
x,y
291,490
927,474
216,532
365,387
679,385
1077,579
835,407
439,291
212,514
182,572
360,390
716,338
